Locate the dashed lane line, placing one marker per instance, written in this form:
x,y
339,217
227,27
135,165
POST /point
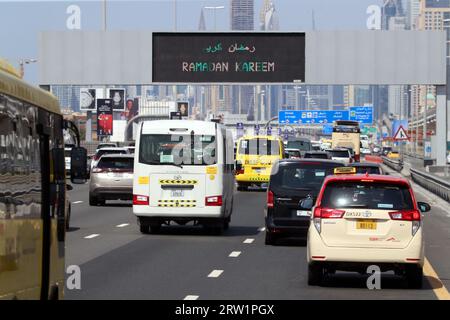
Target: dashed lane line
x,y
215,274
249,240
235,254
122,225
77,202
92,236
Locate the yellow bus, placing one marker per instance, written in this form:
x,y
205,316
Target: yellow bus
x,y
256,154
32,191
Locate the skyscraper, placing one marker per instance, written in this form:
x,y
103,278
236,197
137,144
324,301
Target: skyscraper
x,y
242,19
242,14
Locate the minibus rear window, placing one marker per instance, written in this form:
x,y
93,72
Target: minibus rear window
x,y
166,149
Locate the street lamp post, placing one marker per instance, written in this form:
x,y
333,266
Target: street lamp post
x,y
22,63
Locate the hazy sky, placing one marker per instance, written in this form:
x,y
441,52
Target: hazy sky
x,y
20,21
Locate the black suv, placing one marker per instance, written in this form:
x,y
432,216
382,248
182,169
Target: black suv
x,y
294,185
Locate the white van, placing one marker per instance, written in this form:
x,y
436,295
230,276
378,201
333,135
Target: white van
x,y
183,172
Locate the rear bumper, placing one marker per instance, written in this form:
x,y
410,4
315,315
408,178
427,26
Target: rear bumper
x,y
112,193
318,251
252,178
178,212
288,227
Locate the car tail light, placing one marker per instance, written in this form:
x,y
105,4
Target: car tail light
x,y
357,158
240,171
325,213
139,200
269,199
405,215
408,215
214,201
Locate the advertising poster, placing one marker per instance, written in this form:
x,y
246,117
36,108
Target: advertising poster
x,y
87,99
104,117
183,108
118,99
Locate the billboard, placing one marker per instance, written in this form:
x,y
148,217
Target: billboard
x,y
118,99
88,98
104,117
228,57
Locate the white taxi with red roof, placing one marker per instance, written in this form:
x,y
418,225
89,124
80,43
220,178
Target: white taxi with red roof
x,y
362,220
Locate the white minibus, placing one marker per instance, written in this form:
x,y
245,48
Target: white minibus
x,y
183,172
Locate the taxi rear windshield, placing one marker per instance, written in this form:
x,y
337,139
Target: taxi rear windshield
x,y
259,146
367,195
339,154
369,170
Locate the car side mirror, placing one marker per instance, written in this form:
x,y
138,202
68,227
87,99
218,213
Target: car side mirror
x,y
424,207
69,187
307,203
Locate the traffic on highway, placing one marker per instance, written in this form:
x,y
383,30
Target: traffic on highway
x,y
222,167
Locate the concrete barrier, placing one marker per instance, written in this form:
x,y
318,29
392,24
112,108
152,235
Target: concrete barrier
x,y
434,184
397,165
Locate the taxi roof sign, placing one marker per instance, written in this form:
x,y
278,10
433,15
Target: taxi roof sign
x,y
345,170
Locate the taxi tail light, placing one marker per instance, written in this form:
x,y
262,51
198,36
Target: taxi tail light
x,y
139,200
214,201
405,215
270,199
325,213
240,171
408,215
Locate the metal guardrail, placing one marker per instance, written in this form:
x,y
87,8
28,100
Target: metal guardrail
x,y
438,186
397,165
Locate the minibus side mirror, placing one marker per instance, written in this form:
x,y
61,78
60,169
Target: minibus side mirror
x,y
306,204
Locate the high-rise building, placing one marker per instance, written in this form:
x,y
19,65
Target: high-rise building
x,y
432,16
412,13
242,98
242,14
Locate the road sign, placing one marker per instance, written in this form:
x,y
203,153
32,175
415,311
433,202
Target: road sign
x,y
363,115
397,124
327,129
311,116
228,57
401,134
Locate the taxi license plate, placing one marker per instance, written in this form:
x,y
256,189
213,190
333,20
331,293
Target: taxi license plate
x,y
366,225
177,193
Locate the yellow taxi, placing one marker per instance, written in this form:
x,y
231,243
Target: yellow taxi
x,y
255,156
393,155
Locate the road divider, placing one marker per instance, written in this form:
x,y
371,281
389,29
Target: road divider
x,y
397,165
432,183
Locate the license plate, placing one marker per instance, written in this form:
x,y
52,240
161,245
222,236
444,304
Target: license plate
x,y
177,193
366,225
302,213
257,170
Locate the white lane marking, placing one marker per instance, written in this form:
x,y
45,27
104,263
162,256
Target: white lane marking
x,y
191,297
77,202
249,240
122,225
215,274
95,235
262,229
235,254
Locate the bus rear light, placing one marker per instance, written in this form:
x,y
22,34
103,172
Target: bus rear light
x,y
213,201
139,200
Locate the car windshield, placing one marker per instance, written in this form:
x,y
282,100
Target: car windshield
x,y
259,146
116,163
102,152
316,155
367,195
298,144
166,149
339,154
301,176
368,169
